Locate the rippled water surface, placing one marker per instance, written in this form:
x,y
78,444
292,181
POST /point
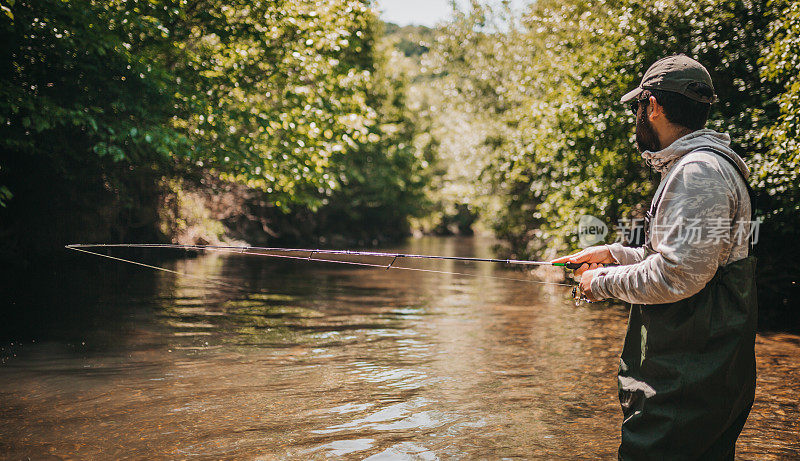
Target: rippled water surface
x,y
314,360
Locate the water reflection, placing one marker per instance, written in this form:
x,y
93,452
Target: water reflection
x,y
312,360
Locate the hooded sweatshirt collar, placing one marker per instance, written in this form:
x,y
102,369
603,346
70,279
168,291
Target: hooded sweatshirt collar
x,y
662,160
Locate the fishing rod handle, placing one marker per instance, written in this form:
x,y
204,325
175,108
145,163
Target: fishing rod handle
x,y
574,266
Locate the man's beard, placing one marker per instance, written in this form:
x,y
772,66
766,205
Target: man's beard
x,y
646,137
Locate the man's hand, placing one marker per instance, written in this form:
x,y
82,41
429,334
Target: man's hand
x,y
592,256
586,283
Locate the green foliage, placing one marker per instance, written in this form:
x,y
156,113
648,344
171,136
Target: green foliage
x,y
265,93
779,169
561,143
71,76
291,98
551,136
5,195
451,89
276,92
409,40
5,8
384,180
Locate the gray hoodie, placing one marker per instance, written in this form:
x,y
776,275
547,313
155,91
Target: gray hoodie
x,y
701,223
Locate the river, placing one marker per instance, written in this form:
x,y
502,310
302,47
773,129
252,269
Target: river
x,y
299,360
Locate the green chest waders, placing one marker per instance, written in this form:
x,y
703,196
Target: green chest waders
x,y
687,373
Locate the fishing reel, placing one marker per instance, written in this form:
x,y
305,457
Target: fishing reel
x,y
576,291
578,296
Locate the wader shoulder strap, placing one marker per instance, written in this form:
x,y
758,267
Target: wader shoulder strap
x,y
654,206
750,193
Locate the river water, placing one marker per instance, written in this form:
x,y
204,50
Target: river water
x,y
307,360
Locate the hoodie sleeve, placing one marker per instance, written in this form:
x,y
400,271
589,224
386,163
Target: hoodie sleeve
x,y
626,255
695,205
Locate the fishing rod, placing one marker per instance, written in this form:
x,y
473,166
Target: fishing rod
x,y
313,251
300,254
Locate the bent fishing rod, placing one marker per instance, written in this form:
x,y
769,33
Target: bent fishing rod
x,y
309,253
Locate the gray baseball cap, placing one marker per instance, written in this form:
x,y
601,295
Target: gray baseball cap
x,y
679,74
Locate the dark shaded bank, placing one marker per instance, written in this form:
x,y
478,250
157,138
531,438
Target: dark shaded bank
x,y
778,275
119,204
83,201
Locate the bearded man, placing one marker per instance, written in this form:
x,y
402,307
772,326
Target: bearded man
x,y
687,369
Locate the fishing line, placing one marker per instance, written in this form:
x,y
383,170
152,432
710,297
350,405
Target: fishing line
x,y
248,251
183,274
465,274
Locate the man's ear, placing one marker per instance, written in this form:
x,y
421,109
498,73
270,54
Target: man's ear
x,y
656,109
